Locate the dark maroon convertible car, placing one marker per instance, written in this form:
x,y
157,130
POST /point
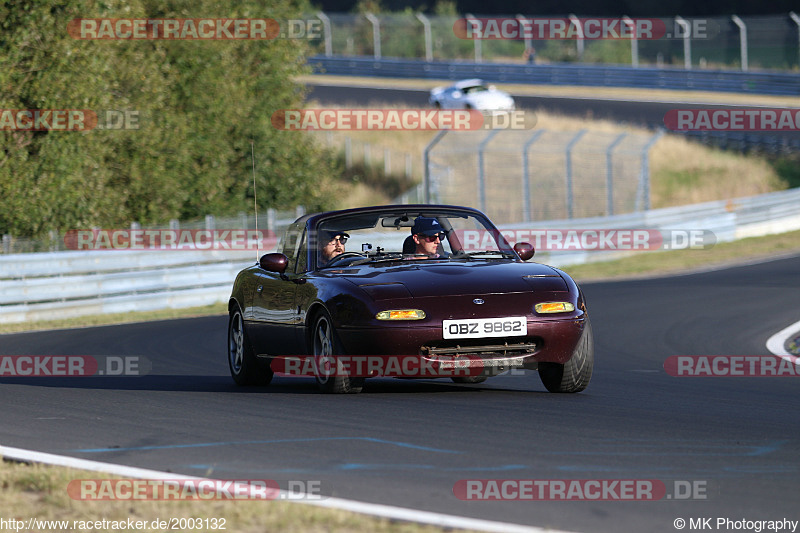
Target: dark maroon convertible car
x,y
410,291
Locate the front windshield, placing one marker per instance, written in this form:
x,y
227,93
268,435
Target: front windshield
x,y
407,236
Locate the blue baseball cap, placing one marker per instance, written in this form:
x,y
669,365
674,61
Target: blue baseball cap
x,y
426,226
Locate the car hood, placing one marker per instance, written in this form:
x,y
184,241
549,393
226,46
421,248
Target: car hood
x,y
454,279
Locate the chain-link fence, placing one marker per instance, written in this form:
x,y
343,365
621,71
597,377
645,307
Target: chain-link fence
x,y
761,42
520,176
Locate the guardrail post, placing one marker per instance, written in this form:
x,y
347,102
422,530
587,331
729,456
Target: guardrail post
x,y
326,23
376,34
426,178
610,174
426,24
577,23
742,40
571,145
687,43
476,25
634,41
482,172
526,178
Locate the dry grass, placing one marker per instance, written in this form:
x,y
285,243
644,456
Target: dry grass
x,y
40,492
682,172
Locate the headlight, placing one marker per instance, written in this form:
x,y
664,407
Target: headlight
x,y
401,314
554,307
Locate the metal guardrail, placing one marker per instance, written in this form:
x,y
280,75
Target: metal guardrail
x,y
586,75
52,285
49,285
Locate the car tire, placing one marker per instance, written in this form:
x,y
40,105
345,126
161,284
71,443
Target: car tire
x,y
245,367
469,379
574,375
325,347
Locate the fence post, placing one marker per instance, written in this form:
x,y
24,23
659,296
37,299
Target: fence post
x,y
796,18
326,23
610,174
645,172
376,34
634,40
426,24
348,152
472,21
387,162
526,177
570,145
687,43
577,23
742,40
426,161
481,171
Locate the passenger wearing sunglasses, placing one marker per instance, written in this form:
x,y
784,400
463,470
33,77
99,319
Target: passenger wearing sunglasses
x,y
332,244
428,235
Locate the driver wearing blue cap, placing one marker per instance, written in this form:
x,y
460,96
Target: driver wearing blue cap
x,y
428,235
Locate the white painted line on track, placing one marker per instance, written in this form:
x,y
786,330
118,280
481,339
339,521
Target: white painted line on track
x,y
776,343
379,510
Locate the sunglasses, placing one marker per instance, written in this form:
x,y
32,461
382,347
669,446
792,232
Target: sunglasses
x,y
431,238
338,238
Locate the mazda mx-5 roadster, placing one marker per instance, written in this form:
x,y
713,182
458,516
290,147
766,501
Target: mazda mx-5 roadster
x,y
406,291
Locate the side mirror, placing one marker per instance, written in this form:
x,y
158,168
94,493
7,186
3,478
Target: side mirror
x,y
274,262
456,94
524,250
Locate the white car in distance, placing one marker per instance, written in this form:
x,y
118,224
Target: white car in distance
x,y
471,94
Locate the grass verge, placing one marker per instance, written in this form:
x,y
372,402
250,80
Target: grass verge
x,y
40,492
681,261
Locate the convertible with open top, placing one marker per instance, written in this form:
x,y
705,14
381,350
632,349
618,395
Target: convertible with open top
x,y
409,291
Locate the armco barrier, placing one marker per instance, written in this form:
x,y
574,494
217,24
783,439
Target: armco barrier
x,y
53,285
563,74
45,286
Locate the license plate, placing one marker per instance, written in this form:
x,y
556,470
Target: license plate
x,y
477,328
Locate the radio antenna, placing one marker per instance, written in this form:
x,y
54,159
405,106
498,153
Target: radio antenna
x,y
255,203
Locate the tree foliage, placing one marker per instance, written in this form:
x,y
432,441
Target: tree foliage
x,y
200,104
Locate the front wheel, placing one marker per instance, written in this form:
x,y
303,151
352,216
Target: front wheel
x,y
330,373
574,375
245,368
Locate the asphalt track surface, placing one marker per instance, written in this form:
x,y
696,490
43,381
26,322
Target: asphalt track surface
x,y
649,114
406,443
